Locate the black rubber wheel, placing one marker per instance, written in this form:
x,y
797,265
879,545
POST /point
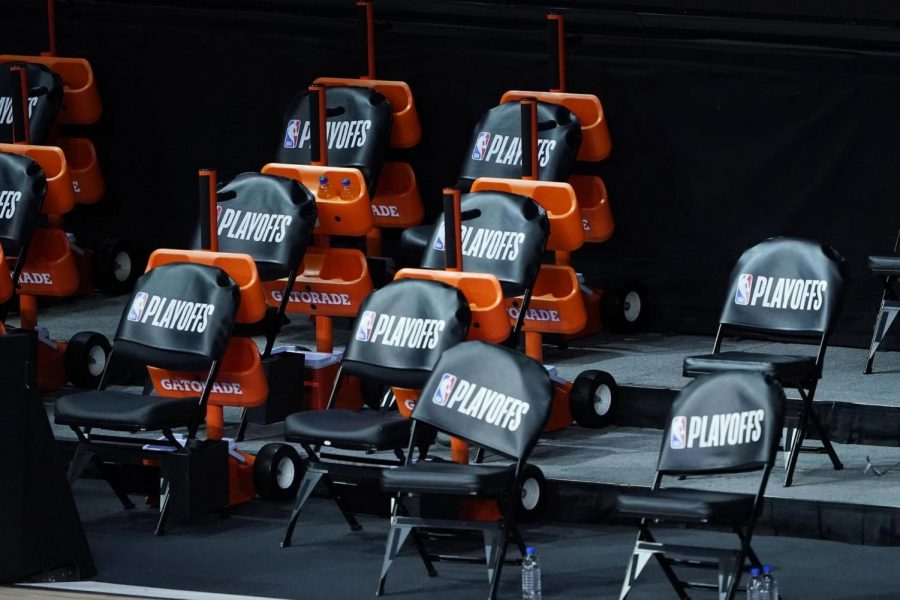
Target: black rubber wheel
x,y
533,501
593,399
86,355
277,472
622,307
115,267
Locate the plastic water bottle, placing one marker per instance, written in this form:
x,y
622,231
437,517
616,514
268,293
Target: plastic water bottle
x,y
531,576
754,586
324,188
346,190
769,583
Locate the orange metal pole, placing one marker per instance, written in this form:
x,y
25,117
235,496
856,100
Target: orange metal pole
x,y
22,115
558,21
51,26
213,209
369,34
28,310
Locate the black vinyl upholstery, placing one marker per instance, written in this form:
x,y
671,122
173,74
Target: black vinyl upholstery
x,y
685,505
123,411
450,478
888,265
347,428
788,369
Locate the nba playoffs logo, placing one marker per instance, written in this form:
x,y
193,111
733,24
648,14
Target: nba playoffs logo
x,y
445,388
292,135
744,287
218,213
481,146
137,307
678,438
364,331
439,240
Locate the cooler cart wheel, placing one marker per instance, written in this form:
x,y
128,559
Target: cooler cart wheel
x,y
114,267
277,472
86,355
621,307
593,399
533,501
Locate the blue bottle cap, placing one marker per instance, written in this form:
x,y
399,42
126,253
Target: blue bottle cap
x,y
529,551
345,181
767,569
323,179
755,572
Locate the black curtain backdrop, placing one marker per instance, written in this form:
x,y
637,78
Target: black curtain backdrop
x,y
726,129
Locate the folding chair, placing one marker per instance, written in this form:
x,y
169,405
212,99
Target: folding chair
x,y
888,268
787,290
503,234
465,398
23,187
45,94
724,423
401,331
179,317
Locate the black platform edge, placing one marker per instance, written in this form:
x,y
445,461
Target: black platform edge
x,y
861,524
847,422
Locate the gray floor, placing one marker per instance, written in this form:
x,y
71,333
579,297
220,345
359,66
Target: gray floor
x,y
626,456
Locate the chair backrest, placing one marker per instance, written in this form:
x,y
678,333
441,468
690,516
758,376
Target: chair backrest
x,y
358,130
489,395
786,286
45,93
179,317
23,187
723,423
403,328
495,149
503,234
270,218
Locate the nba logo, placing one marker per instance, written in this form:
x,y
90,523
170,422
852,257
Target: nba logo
x,y
481,146
678,439
137,307
439,240
364,331
445,388
744,285
292,135
218,213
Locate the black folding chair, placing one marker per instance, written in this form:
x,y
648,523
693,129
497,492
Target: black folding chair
x,y
502,234
786,290
401,331
270,218
465,398
724,423
23,186
888,268
179,317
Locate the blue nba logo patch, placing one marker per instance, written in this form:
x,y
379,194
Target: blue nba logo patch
x,y
445,388
137,306
678,437
744,288
439,242
366,322
481,146
292,135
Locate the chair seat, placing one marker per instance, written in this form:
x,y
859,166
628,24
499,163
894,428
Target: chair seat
x,y
685,505
348,429
784,368
123,411
888,265
449,478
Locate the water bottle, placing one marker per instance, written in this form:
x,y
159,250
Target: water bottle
x,y
346,190
324,188
770,584
531,576
754,586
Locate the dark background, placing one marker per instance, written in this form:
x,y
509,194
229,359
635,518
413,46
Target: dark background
x,y
731,121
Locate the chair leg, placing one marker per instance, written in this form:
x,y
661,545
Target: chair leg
x,y
164,509
423,553
826,440
335,495
396,538
79,463
639,559
799,435
114,483
307,485
883,322
508,521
